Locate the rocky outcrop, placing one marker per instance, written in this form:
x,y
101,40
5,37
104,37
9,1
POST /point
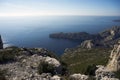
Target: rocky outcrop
x,y
1,43
114,62
78,77
26,65
88,44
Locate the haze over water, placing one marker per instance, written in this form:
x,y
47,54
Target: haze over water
x,y
34,31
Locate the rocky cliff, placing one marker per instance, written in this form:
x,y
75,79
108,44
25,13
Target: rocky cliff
x,y
1,43
114,62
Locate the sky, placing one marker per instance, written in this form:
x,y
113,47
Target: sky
x,y
59,7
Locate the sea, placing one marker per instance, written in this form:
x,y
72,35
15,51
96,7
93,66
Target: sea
x,y
33,31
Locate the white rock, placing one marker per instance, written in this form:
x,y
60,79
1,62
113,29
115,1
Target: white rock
x,y
52,61
78,77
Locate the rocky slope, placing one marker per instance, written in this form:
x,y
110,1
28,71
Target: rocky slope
x,y
1,43
26,62
106,38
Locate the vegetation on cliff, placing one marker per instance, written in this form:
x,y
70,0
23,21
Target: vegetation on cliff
x,y
80,59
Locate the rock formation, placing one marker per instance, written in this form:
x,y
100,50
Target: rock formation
x,y
87,44
1,43
114,62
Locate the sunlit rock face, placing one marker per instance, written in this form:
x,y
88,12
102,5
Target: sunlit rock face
x,y
114,62
87,44
1,43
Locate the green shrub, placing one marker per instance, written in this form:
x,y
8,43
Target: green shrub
x,y
64,68
8,54
117,74
44,67
2,74
91,70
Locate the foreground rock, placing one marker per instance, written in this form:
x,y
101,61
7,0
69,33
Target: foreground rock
x,y
1,43
26,65
78,77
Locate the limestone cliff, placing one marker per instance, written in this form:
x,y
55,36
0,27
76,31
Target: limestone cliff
x,y
114,62
1,43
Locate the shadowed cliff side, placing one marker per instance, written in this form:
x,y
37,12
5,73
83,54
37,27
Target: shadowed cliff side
x,y
1,43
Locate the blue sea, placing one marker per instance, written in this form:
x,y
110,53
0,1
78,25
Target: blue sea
x,y
34,31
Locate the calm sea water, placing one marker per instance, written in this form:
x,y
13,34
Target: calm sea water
x,y
34,31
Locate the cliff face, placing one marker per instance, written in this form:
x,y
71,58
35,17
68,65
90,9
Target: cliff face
x,y
1,43
114,62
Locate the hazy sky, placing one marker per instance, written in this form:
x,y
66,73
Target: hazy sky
x,y
59,7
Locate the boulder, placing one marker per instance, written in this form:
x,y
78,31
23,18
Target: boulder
x,y
56,77
78,77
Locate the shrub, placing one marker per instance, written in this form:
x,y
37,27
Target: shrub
x,y
91,70
6,56
44,67
117,74
2,74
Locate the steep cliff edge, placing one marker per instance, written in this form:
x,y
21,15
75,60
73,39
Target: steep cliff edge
x,y
114,62
1,43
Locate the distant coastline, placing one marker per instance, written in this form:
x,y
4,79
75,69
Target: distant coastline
x,y
118,20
